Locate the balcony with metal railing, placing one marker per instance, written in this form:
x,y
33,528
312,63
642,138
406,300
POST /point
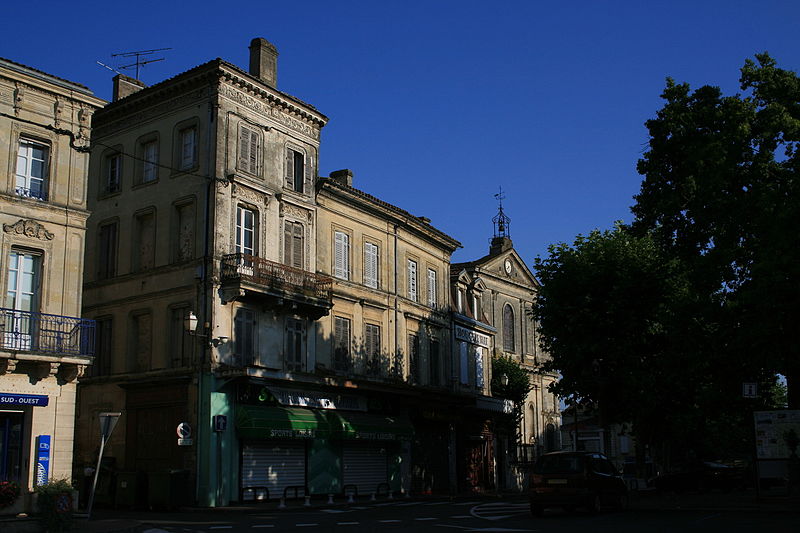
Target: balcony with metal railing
x,y
42,333
251,276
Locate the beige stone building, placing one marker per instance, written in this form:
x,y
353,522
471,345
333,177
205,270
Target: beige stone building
x,y
389,332
44,344
492,315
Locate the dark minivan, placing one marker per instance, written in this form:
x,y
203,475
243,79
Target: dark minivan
x,y
575,479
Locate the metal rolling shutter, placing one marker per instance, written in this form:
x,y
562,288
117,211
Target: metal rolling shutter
x,y
275,465
365,465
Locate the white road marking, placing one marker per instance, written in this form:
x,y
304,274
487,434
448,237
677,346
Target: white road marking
x,y
221,527
389,521
347,523
264,525
461,516
305,525
437,503
333,511
424,519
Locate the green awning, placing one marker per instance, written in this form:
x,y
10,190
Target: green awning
x,y
256,422
352,425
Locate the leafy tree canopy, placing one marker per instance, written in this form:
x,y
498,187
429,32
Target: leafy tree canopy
x,y
720,193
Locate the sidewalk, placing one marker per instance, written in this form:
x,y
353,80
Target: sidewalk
x,y
739,500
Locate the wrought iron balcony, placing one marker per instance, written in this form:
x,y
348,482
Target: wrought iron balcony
x,y
25,331
258,275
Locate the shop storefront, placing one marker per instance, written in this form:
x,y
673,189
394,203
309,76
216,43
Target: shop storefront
x,y
293,451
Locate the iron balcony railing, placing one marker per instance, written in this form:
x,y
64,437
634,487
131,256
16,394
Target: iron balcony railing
x,y
275,276
25,331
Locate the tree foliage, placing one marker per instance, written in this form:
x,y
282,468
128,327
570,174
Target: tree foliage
x,y
720,192
519,382
660,322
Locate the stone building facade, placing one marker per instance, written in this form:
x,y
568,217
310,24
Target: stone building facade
x,y
44,344
492,308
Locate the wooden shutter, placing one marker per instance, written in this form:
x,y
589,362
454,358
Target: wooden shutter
x,y
307,174
431,288
287,243
371,265
412,280
341,255
289,168
244,149
297,244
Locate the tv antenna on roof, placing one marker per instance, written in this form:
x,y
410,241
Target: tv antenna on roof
x,y
138,55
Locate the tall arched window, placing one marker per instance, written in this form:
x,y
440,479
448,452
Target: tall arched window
x,y
508,329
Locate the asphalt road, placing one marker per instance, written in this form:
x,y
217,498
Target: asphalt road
x,y
442,516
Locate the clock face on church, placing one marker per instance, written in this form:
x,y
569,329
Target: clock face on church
x,y
507,266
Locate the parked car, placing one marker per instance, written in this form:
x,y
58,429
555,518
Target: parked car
x,y
575,479
700,476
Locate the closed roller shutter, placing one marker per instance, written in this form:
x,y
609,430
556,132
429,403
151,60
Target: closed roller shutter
x,y
275,465
365,465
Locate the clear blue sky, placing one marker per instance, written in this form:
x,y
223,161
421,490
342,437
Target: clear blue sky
x,y
436,104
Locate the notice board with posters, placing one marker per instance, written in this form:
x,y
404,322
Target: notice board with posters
x,y
771,426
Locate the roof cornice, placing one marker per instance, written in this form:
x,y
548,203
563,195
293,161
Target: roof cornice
x,y
389,211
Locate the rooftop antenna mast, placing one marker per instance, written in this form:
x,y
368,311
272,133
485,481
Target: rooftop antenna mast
x,y
138,54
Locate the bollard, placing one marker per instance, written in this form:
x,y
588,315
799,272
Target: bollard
x,y
350,498
372,498
390,495
330,499
282,505
308,502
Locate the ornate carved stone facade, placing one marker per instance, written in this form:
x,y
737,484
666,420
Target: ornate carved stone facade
x,y
44,344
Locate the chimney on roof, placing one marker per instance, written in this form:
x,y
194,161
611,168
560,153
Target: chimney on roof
x,y
125,86
264,61
344,176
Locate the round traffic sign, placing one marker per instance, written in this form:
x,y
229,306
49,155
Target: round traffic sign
x,y
184,430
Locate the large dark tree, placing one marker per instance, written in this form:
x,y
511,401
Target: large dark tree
x,y
720,193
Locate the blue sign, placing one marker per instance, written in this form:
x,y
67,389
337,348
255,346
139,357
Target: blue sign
x,y
42,459
35,400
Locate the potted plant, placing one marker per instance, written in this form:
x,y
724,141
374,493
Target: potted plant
x,y
9,492
54,504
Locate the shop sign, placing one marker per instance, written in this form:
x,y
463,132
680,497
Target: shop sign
x,y
42,459
35,400
318,400
292,433
472,337
375,435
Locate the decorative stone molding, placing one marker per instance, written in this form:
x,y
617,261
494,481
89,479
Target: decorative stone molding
x,y
58,112
29,228
70,372
7,366
19,98
294,211
290,120
250,195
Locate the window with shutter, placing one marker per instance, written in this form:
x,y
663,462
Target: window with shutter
x,y
372,336
463,362
245,231
150,161
295,170
431,288
32,172
412,280
295,343
188,138
249,150
478,367
341,265
413,358
433,359
341,354
107,256
244,330
508,329
293,243
371,265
